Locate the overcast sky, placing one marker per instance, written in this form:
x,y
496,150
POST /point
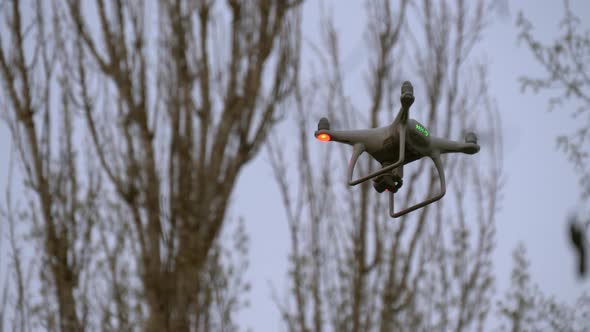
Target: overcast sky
x,y
541,187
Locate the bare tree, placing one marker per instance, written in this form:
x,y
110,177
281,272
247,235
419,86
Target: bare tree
x,y
518,305
44,140
132,121
14,302
352,267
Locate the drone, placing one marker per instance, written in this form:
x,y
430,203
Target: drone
x,y
393,146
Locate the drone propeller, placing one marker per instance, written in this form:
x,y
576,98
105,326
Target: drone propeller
x,y
483,137
488,136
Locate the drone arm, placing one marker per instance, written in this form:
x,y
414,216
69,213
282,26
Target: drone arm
x,y
449,146
359,149
350,137
441,175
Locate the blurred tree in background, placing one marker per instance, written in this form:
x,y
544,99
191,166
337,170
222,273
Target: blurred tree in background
x,y
565,63
526,308
131,121
352,267
566,77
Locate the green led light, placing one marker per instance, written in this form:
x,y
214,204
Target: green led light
x,y
422,130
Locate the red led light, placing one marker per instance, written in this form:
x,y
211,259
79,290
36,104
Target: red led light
x,y
324,137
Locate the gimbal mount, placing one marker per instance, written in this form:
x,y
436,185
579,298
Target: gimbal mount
x,y
402,142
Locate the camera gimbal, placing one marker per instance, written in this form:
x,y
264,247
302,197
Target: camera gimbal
x,y
404,141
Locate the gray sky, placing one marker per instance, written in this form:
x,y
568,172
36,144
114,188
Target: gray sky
x,y
540,190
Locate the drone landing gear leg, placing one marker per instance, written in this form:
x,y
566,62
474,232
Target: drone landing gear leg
x,y
441,175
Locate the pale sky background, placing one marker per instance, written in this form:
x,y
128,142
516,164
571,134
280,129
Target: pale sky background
x,y
540,190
